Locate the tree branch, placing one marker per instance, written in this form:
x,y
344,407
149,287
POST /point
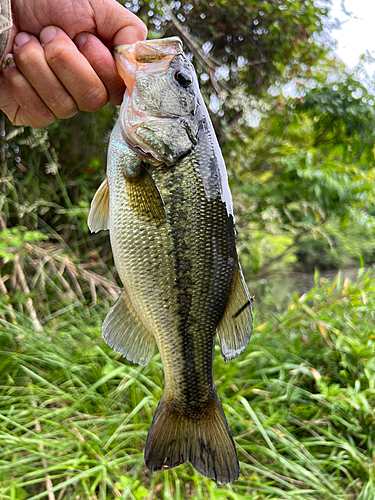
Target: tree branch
x,y
197,51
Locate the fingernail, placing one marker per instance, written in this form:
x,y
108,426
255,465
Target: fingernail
x,y
80,39
21,38
8,61
47,34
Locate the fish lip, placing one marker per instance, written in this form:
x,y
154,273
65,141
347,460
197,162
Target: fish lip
x,y
143,52
163,42
130,58
123,50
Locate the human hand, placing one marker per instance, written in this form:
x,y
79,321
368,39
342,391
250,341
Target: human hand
x,y
58,58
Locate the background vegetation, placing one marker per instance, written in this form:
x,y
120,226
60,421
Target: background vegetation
x,y
296,129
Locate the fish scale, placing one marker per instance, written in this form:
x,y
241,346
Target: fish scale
x,y
182,252
167,204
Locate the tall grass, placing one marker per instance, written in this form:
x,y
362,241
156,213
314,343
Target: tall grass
x,y
300,401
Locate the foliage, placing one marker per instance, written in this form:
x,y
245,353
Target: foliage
x,y
297,134
309,162
317,143
11,240
300,403
240,48
247,41
50,176
338,249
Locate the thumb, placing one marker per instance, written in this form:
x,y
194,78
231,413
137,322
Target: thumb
x,y
117,25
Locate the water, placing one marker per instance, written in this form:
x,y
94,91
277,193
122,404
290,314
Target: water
x,y
281,287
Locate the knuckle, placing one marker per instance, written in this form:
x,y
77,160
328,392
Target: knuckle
x,y
35,120
37,112
94,101
141,29
66,113
42,123
63,106
27,55
41,117
15,80
56,53
14,116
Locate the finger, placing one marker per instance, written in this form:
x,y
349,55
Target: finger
x,y
30,109
116,24
7,102
102,62
73,70
30,60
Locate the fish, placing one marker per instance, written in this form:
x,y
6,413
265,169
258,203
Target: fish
x,y
168,207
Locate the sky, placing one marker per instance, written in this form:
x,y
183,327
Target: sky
x,y
356,35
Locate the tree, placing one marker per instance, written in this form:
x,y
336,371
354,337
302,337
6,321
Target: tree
x,y
246,44
309,163
294,162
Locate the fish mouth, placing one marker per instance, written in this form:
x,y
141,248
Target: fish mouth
x,y
150,51
145,59
130,58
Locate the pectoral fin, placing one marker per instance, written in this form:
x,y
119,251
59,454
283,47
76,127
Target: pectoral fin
x,y
143,194
99,212
125,333
235,327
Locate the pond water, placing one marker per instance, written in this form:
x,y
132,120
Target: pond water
x,y
281,287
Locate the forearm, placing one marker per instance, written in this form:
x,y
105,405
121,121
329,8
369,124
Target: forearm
x,y
5,25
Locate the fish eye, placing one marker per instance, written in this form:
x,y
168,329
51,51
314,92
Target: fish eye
x,y
183,79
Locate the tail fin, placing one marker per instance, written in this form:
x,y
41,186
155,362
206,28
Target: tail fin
x,y
205,442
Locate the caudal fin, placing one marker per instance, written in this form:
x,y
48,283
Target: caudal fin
x,y
205,442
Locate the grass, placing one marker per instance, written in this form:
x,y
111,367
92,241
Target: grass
x,y
300,403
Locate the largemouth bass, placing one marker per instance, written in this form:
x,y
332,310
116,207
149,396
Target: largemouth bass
x,y
168,207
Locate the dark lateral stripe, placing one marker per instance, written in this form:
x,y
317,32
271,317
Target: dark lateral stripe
x,y
240,311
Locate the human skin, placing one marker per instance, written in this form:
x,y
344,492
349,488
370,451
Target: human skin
x,y
58,58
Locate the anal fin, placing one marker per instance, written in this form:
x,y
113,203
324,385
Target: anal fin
x,y
125,333
235,326
98,218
